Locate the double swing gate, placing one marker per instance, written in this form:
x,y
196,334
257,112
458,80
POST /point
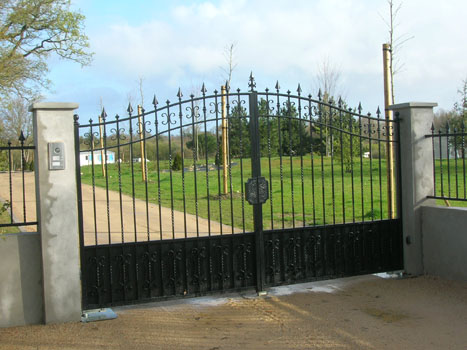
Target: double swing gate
x,y
234,190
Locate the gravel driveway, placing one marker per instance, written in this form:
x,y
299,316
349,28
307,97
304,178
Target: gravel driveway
x,y
365,312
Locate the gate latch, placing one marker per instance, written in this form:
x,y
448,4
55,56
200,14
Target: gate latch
x,y
256,190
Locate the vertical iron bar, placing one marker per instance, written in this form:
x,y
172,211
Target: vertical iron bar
x,y
194,111
22,176
310,109
130,131
156,124
341,127
291,152
331,144
300,130
93,181
378,113
351,164
441,163
203,91
229,160
463,157
448,149
434,157
145,169
117,131
219,157
268,116
10,181
322,125
256,173
370,140
240,123
455,162
182,154
169,123
279,122
80,207
107,195
361,161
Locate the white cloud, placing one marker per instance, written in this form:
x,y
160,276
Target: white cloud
x,y
286,41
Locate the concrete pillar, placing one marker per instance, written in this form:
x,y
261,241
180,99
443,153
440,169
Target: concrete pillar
x,y
416,161
57,212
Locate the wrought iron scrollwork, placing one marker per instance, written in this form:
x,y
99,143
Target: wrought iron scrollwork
x,y
124,262
174,256
149,262
243,251
223,252
198,255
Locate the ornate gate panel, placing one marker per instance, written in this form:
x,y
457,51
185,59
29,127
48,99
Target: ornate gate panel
x,y
233,191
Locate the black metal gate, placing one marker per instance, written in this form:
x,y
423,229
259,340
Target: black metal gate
x,y
236,190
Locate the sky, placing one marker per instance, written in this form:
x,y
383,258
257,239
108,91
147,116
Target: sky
x,y
166,45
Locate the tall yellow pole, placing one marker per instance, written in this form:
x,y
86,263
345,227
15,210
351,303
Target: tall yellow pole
x,y
224,138
388,100
101,133
141,143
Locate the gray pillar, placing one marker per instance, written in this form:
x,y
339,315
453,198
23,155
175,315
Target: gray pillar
x,y
57,212
416,161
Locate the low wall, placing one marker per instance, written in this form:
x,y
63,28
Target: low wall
x,y
21,299
444,233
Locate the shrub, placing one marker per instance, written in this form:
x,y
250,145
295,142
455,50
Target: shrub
x,y
177,162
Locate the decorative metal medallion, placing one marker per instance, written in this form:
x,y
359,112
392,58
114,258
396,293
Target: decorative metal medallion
x,y
257,190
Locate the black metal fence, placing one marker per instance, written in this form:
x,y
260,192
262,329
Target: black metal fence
x,y
325,164
17,193
449,158
233,190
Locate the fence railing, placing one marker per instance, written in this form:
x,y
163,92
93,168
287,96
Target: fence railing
x,y
17,187
160,174
449,163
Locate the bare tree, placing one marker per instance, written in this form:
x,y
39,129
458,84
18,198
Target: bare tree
x,y
141,93
15,118
229,54
395,41
327,81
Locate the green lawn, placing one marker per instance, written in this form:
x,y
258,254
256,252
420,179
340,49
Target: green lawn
x,y
296,200
447,184
5,219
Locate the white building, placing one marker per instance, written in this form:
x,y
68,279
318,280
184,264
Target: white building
x,y
86,158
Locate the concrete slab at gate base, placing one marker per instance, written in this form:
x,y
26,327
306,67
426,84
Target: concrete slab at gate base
x,y
21,301
445,242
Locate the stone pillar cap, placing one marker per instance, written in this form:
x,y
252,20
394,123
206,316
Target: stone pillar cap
x,y
53,105
413,105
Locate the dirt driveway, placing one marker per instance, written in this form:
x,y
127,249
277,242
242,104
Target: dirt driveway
x,y
354,313
121,218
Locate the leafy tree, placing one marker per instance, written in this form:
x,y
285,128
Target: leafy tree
x,y
455,120
239,133
294,135
207,144
345,133
32,30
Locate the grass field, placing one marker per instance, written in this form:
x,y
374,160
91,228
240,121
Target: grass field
x,y
311,196
296,199
4,219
